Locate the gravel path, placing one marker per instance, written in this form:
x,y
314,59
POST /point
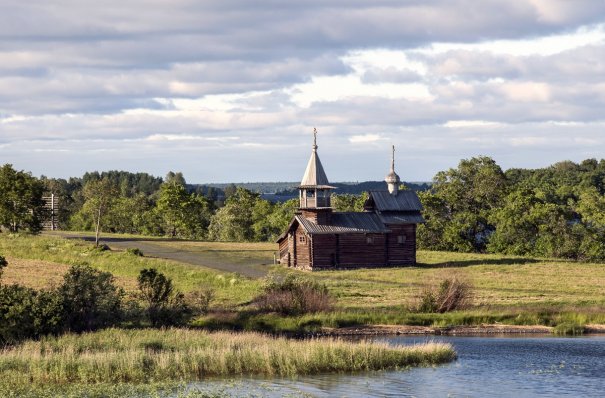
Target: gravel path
x,y
252,269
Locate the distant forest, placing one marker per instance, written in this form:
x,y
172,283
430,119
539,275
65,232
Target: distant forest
x,y
557,211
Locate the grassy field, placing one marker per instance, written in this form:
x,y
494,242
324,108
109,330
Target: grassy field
x,y
115,356
30,257
514,290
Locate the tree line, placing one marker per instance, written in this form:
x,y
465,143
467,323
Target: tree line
x,y
557,211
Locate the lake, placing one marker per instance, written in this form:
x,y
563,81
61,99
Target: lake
x,y
508,366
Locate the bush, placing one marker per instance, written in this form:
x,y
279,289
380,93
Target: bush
x,y
165,306
294,296
90,299
451,295
135,252
3,263
200,300
26,313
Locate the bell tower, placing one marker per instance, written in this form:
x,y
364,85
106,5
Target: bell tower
x,y
314,190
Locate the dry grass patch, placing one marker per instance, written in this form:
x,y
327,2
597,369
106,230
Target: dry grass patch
x,y
39,274
36,274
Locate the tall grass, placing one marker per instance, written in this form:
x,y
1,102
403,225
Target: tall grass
x,y
142,356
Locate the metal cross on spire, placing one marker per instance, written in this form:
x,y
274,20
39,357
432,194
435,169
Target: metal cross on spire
x,y
393,160
314,138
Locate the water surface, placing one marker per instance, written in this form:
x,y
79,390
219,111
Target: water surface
x,y
486,367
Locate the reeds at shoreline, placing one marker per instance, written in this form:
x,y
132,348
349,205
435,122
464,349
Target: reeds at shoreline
x,y
173,355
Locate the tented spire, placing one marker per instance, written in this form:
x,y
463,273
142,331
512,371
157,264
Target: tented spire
x,y
314,176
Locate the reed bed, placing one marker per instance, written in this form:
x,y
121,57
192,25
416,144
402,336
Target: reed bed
x,y
171,355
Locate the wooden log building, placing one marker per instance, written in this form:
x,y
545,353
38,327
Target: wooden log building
x,y
384,234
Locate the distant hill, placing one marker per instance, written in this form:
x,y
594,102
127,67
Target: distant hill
x,y
282,191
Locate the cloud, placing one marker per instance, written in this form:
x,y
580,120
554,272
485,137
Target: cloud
x,y
230,90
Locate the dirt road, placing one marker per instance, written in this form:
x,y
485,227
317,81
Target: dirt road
x,y
161,248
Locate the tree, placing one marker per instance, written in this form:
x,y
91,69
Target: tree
x,y
129,214
21,203
281,216
349,202
175,178
183,214
100,196
234,222
459,203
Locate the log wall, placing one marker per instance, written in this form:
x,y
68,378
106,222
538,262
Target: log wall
x,y
401,253
302,249
354,250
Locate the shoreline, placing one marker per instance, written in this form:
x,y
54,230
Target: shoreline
x,y
379,330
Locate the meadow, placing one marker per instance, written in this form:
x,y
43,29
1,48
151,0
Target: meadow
x,y
506,289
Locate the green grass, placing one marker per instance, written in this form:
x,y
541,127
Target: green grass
x,y
231,289
118,356
507,289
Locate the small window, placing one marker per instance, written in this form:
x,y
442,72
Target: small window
x,y
302,239
370,240
401,239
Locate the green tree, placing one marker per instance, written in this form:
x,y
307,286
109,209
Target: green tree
x,y
175,178
183,214
129,214
234,221
459,203
349,202
281,216
100,196
21,203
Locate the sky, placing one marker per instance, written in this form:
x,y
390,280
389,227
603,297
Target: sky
x,y
230,90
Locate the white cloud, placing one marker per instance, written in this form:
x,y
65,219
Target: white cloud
x,y
365,138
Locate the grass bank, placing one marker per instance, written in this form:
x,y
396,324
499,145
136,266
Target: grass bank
x,y
117,356
506,289
40,261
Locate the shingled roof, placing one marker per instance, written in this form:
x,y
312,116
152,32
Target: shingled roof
x,y
342,223
403,201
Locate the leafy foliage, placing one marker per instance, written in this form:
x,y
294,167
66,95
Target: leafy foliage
x,y
182,214
90,299
458,205
3,263
26,313
349,202
165,305
21,203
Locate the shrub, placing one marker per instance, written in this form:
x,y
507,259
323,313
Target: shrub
x,y
26,313
294,296
135,251
90,299
200,300
451,295
3,263
165,306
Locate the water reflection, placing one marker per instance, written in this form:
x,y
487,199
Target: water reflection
x,y
486,366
